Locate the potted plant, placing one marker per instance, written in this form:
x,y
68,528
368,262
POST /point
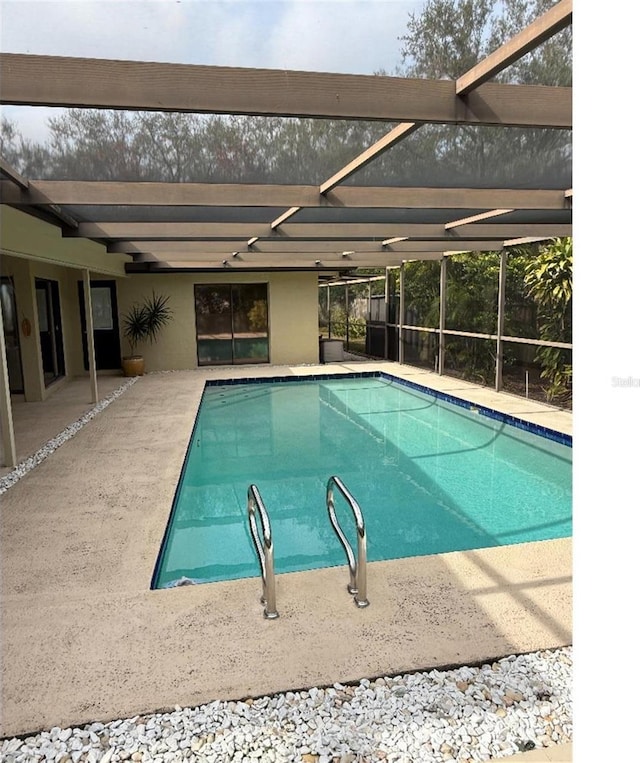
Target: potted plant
x,y
142,323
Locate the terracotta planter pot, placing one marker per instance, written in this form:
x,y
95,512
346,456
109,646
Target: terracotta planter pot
x,y
133,366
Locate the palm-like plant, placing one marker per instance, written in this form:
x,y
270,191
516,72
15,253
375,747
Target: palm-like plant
x,y
143,322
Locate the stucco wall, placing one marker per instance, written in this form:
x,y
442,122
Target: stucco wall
x,y
26,236
23,273
293,315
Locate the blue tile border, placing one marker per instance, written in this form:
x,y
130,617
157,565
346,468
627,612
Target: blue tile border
x,y
549,434
305,377
537,429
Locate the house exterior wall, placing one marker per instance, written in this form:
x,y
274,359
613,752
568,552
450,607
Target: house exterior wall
x,y
293,315
31,248
23,272
26,236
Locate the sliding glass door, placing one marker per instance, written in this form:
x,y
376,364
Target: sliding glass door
x,y
232,323
11,334
50,326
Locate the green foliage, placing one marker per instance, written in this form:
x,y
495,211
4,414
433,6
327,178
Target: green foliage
x,y
257,315
549,282
445,40
422,293
135,326
143,322
538,291
448,37
472,292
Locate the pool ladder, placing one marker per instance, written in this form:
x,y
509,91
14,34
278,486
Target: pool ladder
x,y
357,567
264,548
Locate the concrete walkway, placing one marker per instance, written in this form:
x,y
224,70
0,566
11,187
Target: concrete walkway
x,y
85,639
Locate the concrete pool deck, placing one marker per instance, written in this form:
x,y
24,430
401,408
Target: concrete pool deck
x,y
84,639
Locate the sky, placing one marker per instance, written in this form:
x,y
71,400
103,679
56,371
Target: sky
x,y
349,36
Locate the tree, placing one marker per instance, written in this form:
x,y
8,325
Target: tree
x,y
449,37
549,282
422,293
443,41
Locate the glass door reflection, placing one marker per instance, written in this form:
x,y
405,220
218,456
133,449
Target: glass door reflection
x,y
232,323
250,324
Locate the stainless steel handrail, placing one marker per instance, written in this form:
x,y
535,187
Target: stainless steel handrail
x,y
264,550
357,568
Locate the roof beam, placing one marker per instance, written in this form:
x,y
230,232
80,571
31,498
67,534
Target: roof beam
x,y
110,193
6,170
356,259
476,218
398,133
98,83
554,20
284,216
360,260
370,231
19,187
205,249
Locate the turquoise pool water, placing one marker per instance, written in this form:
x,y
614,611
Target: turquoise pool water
x,y
430,476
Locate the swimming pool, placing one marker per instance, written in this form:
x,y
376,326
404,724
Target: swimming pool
x,y
431,473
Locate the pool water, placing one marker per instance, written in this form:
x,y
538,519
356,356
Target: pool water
x,y
430,476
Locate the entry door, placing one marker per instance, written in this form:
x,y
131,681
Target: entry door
x,y
106,333
50,327
11,334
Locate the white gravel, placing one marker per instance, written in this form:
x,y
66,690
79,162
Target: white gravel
x,y
24,467
466,714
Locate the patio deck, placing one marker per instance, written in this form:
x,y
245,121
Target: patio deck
x,y
85,639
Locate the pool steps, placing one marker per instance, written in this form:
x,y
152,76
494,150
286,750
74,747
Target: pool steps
x,y
264,549
357,586
357,568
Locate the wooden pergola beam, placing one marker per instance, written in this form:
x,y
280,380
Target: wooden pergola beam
x,y
135,85
361,260
194,249
394,136
112,193
489,214
18,187
178,231
356,259
271,250
283,217
550,23
7,171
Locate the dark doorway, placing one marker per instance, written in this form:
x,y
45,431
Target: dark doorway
x,y
11,335
50,327
106,332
